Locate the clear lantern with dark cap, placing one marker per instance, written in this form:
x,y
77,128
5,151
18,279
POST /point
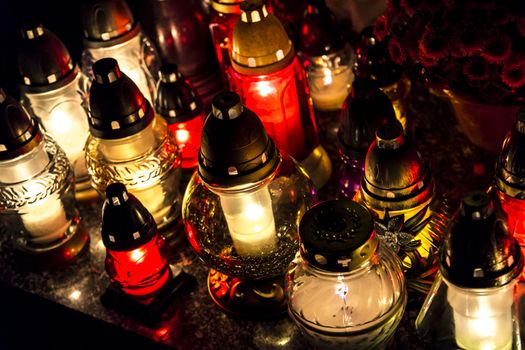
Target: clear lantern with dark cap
x,y
224,14
510,179
54,90
181,33
473,302
136,258
242,207
373,60
397,187
271,81
365,109
345,288
37,198
178,104
327,58
129,144
110,30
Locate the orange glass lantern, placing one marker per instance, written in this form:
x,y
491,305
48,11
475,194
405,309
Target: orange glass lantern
x,y
267,75
178,104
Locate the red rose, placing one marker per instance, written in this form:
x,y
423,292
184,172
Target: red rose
x,y
497,48
513,72
381,28
476,69
396,51
433,46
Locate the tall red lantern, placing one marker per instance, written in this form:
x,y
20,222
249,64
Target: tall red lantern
x,y
178,104
267,75
223,16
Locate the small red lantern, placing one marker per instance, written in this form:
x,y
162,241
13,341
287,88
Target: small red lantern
x,y
136,260
178,104
223,16
267,75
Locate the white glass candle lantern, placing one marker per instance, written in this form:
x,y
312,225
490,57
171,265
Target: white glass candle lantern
x,y
129,144
345,290
111,31
242,207
53,90
37,201
472,304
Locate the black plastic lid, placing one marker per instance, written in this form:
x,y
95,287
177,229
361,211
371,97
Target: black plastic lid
x,y
373,60
365,109
337,235
176,101
510,171
235,148
19,133
478,251
44,62
107,23
117,107
319,34
126,223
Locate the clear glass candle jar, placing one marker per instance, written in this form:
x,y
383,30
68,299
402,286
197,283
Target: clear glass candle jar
x,y
344,288
111,31
53,89
37,198
129,144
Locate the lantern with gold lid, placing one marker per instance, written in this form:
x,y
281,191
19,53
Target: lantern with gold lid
x,y
398,188
271,81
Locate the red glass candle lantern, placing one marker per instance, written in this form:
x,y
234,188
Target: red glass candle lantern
x,y
270,80
178,104
136,260
510,179
223,16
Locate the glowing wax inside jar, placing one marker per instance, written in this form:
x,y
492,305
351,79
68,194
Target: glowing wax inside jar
x,y
251,222
44,216
188,137
482,318
329,87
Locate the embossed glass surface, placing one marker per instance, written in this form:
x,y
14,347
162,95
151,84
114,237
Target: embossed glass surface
x,y
147,163
37,198
136,57
62,113
359,309
248,232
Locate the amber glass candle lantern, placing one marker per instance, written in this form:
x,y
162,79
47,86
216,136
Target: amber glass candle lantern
x,y
327,58
510,179
180,31
53,89
365,109
271,81
129,144
111,31
345,289
473,302
178,104
37,200
241,210
223,17
373,60
398,189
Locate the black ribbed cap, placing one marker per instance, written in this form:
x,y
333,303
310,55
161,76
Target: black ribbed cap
x,y
44,62
235,148
117,107
510,171
107,23
365,109
478,251
337,235
126,223
19,133
176,101
319,34
373,60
